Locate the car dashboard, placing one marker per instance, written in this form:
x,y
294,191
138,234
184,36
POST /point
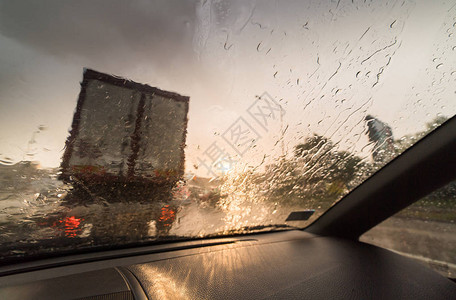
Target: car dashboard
x,y
280,265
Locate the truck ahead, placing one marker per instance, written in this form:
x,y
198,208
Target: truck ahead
x,y
125,136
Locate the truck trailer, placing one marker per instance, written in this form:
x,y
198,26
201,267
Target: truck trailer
x,y
127,139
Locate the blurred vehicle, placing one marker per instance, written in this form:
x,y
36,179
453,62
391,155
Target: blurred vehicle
x,y
125,134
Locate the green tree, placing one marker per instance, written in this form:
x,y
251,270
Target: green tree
x,y
317,175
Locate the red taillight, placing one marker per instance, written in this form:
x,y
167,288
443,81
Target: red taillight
x,y
167,216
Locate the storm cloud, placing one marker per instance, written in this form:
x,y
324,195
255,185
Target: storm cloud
x,y
152,31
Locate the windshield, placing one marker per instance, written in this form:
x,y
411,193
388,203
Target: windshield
x,y
124,123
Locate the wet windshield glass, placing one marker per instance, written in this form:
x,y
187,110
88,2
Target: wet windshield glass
x,y
155,120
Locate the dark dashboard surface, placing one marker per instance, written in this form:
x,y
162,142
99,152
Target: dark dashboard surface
x,y
284,265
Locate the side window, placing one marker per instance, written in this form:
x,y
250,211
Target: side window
x,y
424,231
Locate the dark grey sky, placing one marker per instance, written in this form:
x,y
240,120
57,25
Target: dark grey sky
x,y
102,30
